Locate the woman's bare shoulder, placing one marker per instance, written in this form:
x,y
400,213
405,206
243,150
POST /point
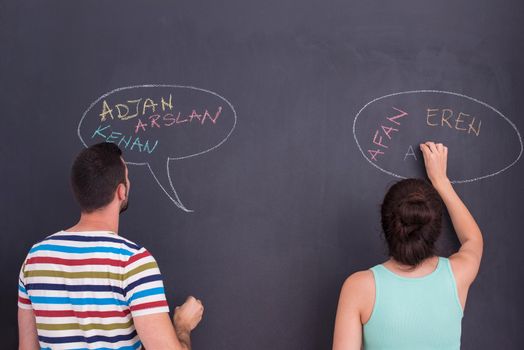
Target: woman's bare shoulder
x,y
358,291
360,282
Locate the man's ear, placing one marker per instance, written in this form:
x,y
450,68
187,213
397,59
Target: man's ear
x,y
121,192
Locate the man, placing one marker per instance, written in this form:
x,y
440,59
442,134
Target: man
x,y
88,288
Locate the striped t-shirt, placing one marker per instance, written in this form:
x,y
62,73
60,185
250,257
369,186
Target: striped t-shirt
x,y
85,288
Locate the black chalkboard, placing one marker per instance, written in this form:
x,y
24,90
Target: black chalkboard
x,y
264,205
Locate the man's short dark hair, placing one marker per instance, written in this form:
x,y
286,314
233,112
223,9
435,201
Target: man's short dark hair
x,y
95,175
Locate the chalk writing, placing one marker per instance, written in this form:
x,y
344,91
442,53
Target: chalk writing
x,y
169,119
135,107
447,118
123,141
410,153
385,130
464,123
156,124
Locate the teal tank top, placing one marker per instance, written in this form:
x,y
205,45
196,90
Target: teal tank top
x,y
421,313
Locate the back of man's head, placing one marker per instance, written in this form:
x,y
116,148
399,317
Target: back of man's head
x,y
95,175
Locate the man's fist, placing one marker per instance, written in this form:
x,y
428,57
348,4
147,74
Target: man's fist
x,y
188,315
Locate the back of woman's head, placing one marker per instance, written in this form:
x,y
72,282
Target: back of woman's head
x,y
411,220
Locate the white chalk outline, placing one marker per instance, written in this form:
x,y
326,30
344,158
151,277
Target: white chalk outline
x,y
176,199
439,92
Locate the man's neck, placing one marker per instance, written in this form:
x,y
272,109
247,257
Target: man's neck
x,y
100,220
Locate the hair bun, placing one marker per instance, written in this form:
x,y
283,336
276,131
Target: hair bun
x,y
412,214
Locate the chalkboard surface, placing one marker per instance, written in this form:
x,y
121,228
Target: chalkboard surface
x,y
268,133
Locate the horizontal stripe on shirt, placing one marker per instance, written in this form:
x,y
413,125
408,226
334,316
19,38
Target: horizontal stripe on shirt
x,y
79,250
91,274
24,301
147,279
62,274
76,301
75,288
137,257
75,262
150,305
132,347
81,314
146,293
84,327
79,238
92,339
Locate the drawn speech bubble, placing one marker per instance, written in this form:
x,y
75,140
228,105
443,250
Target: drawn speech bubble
x,y
155,124
482,141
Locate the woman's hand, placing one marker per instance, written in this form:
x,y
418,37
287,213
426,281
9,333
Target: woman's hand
x,y
435,160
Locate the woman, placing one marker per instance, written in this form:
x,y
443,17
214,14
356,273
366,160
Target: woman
x,y
414,300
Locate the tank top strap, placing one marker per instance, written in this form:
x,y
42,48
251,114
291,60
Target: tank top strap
x,y
453,282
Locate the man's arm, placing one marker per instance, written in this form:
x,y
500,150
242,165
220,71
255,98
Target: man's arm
x,y
157,332
149,310
27,335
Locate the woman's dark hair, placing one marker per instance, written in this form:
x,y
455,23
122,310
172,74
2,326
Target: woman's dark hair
x,y
411,220
95,175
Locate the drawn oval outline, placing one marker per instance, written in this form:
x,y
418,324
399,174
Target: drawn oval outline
x,y
439,92
163,86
